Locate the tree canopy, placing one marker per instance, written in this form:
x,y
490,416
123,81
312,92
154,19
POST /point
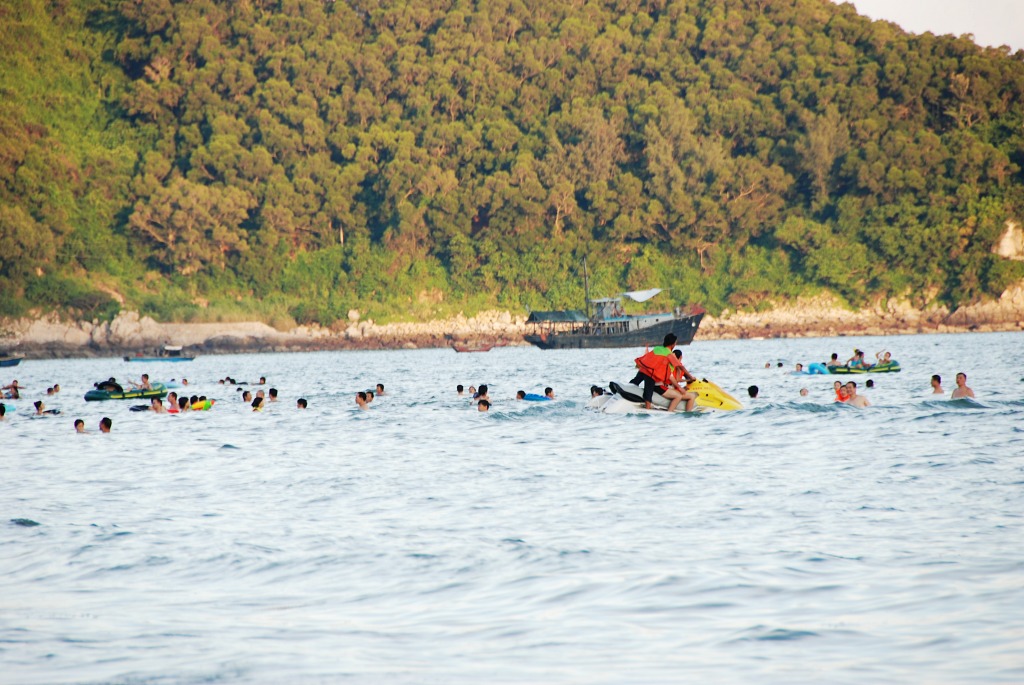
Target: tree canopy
x,y
408,158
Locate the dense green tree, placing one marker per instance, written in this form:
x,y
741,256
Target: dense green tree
x,y
306,157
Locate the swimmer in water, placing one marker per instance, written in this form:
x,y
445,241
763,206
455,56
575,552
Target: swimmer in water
x,y
105,425
361,400
841,394
79,426
853,399
42,410
483,405
961,391
301,403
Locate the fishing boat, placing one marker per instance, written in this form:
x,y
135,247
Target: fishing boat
x,y
168,353
609,325
10,360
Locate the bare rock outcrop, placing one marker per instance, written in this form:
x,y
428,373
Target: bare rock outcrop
x,y
1011,244
820,316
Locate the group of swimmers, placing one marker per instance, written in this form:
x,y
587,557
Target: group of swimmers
x,y
105,425
847,392
482,396
670,373
857,361
961,391
365,397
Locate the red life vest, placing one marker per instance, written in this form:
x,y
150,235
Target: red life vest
x,y
656,365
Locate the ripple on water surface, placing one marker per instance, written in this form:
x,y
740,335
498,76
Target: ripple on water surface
x,y
795,541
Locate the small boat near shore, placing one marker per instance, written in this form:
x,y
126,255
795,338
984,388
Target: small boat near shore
x,y
10,360
610,325
168,353
472,347
608,328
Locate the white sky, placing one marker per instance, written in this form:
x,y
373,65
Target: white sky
x,y
993,22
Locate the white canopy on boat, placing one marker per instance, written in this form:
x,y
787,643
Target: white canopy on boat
x,y
642,295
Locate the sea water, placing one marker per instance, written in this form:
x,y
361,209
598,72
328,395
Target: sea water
x,y
421,541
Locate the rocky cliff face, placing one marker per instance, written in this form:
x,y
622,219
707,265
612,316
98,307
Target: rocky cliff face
x,y
129,334
808,317
824,317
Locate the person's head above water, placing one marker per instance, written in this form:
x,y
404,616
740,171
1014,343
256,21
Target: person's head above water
x,y
753,390
483,405
301,403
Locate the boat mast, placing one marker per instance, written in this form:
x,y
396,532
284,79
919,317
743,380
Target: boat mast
x,y
586,287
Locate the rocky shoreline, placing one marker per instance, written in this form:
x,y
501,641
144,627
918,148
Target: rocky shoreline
x,y
130,334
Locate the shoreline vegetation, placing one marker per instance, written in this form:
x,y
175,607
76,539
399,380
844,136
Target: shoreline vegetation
x,y
290,162
821,316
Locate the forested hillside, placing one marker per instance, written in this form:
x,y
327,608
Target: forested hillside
x,y
294,159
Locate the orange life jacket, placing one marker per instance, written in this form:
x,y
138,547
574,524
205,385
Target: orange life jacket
x,y
658,365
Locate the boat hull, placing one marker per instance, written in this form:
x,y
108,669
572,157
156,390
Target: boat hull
x,y
10,361
891,367
684,328
471,348
158,359
158,390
